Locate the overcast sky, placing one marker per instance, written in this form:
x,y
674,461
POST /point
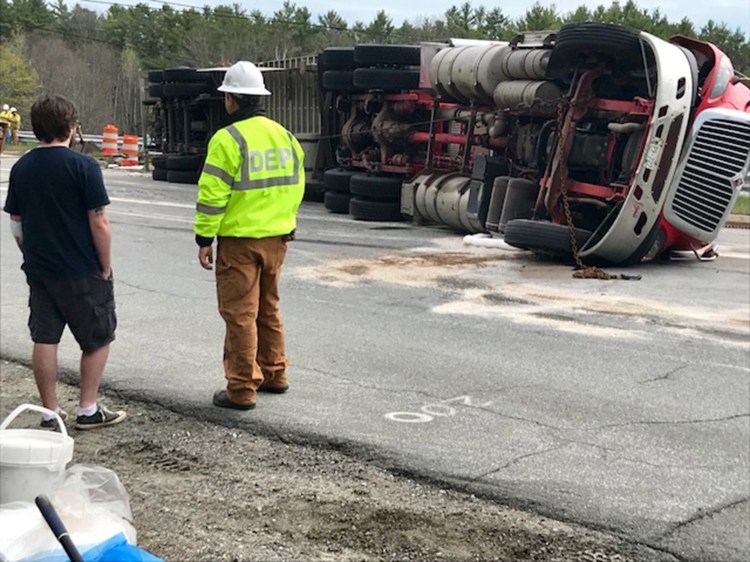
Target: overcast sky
x,y
735,13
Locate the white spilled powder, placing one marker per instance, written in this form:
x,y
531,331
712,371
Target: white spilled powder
x,y
422,267
734,255
571,311
556,304
645,309
474,303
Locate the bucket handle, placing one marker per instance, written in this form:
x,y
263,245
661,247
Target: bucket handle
x,y
23,407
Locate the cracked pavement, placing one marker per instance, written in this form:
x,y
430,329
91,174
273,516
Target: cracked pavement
x,y
622,406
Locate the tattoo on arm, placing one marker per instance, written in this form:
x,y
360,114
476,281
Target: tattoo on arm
x,y
99,211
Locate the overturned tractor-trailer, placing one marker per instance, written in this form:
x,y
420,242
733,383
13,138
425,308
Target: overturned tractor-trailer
x,y
594,139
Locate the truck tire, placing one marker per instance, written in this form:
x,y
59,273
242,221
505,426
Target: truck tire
x,y
338,179
314,191
377,187
576,41
336,57
156,90
155,76
386,79
372,210
159,174
372,55
184,89
338,80
191,162
159,161
199,126
184,74
336,202
183,176
543,237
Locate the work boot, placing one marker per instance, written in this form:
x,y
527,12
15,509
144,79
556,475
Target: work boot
x,y
275,385
222,401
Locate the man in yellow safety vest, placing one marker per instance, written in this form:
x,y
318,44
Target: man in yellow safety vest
x,y
6,118
249,191
15,124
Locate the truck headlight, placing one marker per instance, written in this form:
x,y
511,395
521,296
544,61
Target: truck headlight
x,y
723,76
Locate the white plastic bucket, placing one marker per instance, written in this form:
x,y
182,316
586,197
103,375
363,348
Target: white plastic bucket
x,y
31,460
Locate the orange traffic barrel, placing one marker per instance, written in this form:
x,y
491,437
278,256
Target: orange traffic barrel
x,y
130,146
109,140
130,150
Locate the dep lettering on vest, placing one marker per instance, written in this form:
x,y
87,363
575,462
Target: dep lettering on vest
x,y
269,160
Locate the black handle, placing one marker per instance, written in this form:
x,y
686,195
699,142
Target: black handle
x,y
58,529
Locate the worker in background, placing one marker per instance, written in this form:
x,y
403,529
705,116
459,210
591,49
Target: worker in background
x,y
249,191
15,125
5,121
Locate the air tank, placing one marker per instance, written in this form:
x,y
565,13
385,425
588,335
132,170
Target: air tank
x,y
444,198
520,95
473,72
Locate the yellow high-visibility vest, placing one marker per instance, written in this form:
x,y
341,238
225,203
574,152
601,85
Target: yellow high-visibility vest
x,y
15,121
6,117
252,182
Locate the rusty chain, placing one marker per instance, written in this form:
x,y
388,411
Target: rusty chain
x,y
582,271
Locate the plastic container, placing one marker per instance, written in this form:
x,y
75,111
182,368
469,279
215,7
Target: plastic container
x,y
31,460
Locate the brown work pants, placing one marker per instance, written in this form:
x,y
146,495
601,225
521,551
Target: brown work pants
x,y
247,286
4,131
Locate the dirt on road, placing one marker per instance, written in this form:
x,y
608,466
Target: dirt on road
x,y
206,492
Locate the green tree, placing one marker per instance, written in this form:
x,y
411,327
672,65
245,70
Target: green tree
x,y
733,43
461,21
579,15
380,29
684,27
637,18
334,29
77,24
493,24
20,16
539,18
20,83
292,31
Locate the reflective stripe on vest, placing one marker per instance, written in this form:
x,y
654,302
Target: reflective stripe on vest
x,y
220,173
209,209
255,160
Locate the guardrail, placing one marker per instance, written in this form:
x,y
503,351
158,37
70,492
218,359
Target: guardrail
x,y
28,136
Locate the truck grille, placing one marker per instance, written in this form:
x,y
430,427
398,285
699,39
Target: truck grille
x,y
718,154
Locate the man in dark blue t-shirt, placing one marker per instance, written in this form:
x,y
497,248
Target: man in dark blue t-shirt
x,y
56,201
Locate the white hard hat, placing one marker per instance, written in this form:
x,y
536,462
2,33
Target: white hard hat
x,y
13,109
6,107
244,78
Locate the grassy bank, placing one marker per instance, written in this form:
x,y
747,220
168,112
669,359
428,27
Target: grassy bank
x,y
742,206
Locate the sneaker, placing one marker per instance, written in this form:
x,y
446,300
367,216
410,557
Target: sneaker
x,y
52,424
101,418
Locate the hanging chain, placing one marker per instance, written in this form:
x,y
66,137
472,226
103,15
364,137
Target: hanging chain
x,y
582,271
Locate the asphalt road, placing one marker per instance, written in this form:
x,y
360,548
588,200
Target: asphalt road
x,y
620,405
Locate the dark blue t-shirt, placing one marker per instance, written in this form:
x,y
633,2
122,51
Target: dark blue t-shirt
x,y
53,189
